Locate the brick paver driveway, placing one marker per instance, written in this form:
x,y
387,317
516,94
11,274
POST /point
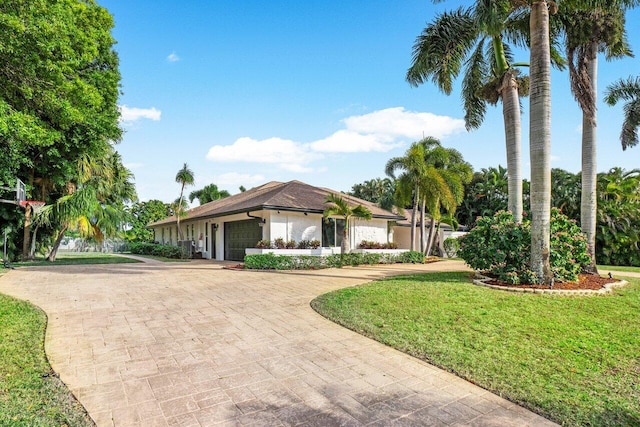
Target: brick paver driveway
x,y
196,345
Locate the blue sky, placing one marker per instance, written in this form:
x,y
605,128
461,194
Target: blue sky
x,y
248,92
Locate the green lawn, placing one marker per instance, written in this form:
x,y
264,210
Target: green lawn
x,y
73,258
30,394
575,360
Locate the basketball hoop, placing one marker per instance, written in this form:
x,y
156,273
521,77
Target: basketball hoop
x,y
36,205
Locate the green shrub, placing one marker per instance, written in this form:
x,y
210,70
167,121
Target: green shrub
x,y
264,244
156,249
499,246
411,257
270,261
451,246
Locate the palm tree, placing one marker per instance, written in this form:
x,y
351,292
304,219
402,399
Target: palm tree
x,y
475,37
629,91
208,194
341,208
443,188
590,28
409,182
540,139
184,177
94,205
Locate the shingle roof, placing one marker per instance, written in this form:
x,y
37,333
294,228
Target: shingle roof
x,y
286,196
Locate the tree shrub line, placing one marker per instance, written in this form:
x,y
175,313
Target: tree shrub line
x,y
501,247
280,243
271,261
156,249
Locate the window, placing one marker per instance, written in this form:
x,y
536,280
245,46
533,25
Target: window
x,y
163,235
206,236
193,234
332,232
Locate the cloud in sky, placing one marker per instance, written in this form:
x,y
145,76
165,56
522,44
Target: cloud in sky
x,y
173,57
133,114
379,131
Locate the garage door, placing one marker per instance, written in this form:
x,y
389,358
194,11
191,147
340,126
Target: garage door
x,y
238,236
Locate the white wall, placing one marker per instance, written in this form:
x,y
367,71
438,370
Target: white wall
x,y
293,226
374,230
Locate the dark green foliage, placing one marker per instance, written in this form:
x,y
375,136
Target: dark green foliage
x,y
378,190
166,251
411,257
142,214
451,246
499,246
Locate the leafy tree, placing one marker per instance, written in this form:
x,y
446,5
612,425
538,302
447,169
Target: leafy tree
x,y
208,194
184,177
476,38
378,190
58,100
140,215
629,91
618,230
341,208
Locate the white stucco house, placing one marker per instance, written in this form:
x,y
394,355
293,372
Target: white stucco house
x,y
225,228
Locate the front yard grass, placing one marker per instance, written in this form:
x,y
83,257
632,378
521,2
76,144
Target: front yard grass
x,y
574,360
77,258
30,393
619,268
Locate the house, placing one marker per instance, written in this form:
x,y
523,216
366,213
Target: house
x,y
224,228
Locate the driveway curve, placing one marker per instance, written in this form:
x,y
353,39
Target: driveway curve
x,y
196,345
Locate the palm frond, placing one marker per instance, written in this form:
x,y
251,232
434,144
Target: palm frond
x,y
474,106
440,50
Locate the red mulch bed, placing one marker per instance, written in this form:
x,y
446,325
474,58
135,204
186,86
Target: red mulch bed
x,y
585,281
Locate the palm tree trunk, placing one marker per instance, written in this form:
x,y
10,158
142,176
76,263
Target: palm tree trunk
x,y
32,248
345,248
56,244
423,234
589,201
414,221
512,133
179,213
540,140
432,227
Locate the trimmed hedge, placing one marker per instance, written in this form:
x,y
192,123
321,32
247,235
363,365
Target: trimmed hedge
x,y
156,249
271,261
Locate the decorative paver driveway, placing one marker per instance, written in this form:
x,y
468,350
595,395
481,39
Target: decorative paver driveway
x,y
195,345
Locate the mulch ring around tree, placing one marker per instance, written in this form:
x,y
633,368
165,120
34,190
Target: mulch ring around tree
x,y
586,284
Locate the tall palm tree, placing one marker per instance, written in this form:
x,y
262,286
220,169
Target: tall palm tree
x,y
475,37
409,182
443,188
540,139
590,27
341,208
184,177
629,91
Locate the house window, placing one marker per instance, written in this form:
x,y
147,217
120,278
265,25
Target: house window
x,y
170,235
332,232
163,235
193,234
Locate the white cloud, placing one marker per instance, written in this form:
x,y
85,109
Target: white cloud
x,y
173,57
379,131
286,153
348,141
398,122
132,114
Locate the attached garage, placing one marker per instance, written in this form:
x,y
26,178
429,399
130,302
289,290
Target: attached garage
x,y
239,235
